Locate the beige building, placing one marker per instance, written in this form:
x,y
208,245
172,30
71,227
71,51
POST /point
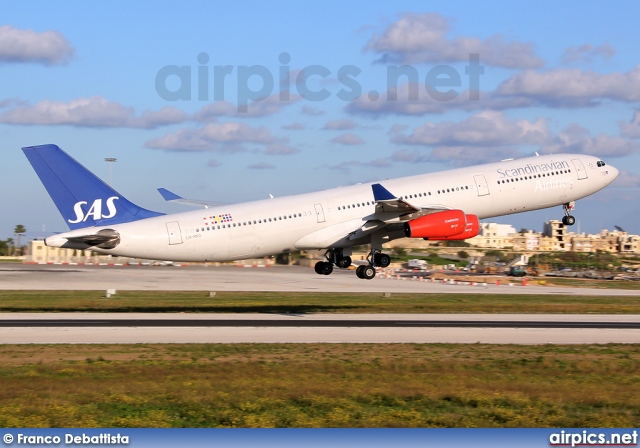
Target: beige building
x,y
528,241
557,231
38,252
493,236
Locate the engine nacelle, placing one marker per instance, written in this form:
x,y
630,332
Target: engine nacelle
x,y
437,225
472,229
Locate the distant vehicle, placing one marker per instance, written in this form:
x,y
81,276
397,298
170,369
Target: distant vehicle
x,y
417,264
517,271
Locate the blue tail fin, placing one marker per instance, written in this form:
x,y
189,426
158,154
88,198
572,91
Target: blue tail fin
x,y
82,198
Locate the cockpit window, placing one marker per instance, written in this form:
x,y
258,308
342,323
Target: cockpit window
x,y
601,163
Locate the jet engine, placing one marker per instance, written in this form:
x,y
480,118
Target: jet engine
x,y
471,230
445,225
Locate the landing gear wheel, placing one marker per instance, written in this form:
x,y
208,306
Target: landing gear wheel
x,y
567,219
323,268
382,260
344,262
368,272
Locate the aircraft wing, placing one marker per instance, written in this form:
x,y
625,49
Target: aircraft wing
x,y
388,203
390,213
170,196
390,206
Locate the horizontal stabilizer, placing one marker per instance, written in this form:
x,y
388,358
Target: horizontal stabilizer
x,y
104,239
170,196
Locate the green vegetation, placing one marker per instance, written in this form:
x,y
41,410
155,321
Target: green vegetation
x,y
279,302
463,254
431,258
319,385
576,260
9,247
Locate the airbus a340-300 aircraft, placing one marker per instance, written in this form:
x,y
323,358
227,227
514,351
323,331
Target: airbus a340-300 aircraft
x,y
436,206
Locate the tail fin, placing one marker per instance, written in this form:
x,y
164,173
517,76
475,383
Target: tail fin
x,y
82,198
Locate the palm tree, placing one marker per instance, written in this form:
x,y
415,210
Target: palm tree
x,y
19,231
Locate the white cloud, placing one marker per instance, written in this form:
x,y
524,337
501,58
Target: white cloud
x,y
261,166
294,127
470,155
416,38
487,128
268,106
627,179
279,149
490,136
312,111
47,47
163,117
90,112
346,166
573,87
632,129
577,140
456,155
348,139
342,124
587,53
413,99
219,137
559,88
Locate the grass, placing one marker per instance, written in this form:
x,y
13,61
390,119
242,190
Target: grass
x,y
311,302
589,283
319,385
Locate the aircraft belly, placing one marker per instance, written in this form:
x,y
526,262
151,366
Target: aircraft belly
x,y
330,236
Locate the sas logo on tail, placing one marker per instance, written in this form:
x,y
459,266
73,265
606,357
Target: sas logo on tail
x,y
95,211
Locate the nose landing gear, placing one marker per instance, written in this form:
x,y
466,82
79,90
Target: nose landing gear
x,y
568,220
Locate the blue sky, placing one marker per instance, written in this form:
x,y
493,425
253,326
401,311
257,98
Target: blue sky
x,y
557,77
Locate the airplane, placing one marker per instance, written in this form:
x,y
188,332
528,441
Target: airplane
x,y
440,206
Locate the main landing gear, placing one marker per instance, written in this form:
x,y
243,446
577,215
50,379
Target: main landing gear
x,y
568,220
337,257
334,257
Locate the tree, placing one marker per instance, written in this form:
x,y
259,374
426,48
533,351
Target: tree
x,y
400,251
463,254
19,231
10,246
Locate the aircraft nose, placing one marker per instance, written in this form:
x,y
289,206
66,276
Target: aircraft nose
x,y
613,172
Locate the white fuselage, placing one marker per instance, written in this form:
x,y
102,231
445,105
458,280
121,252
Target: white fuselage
x,y
324,219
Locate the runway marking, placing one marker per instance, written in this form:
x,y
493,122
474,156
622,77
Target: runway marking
x,y
314,323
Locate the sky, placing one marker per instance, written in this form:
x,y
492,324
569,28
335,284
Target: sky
x,y
233,101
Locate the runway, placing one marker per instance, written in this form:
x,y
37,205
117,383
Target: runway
x,y
96,328
76,328
230,278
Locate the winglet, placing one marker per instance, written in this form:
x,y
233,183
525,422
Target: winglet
x,y
381,194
